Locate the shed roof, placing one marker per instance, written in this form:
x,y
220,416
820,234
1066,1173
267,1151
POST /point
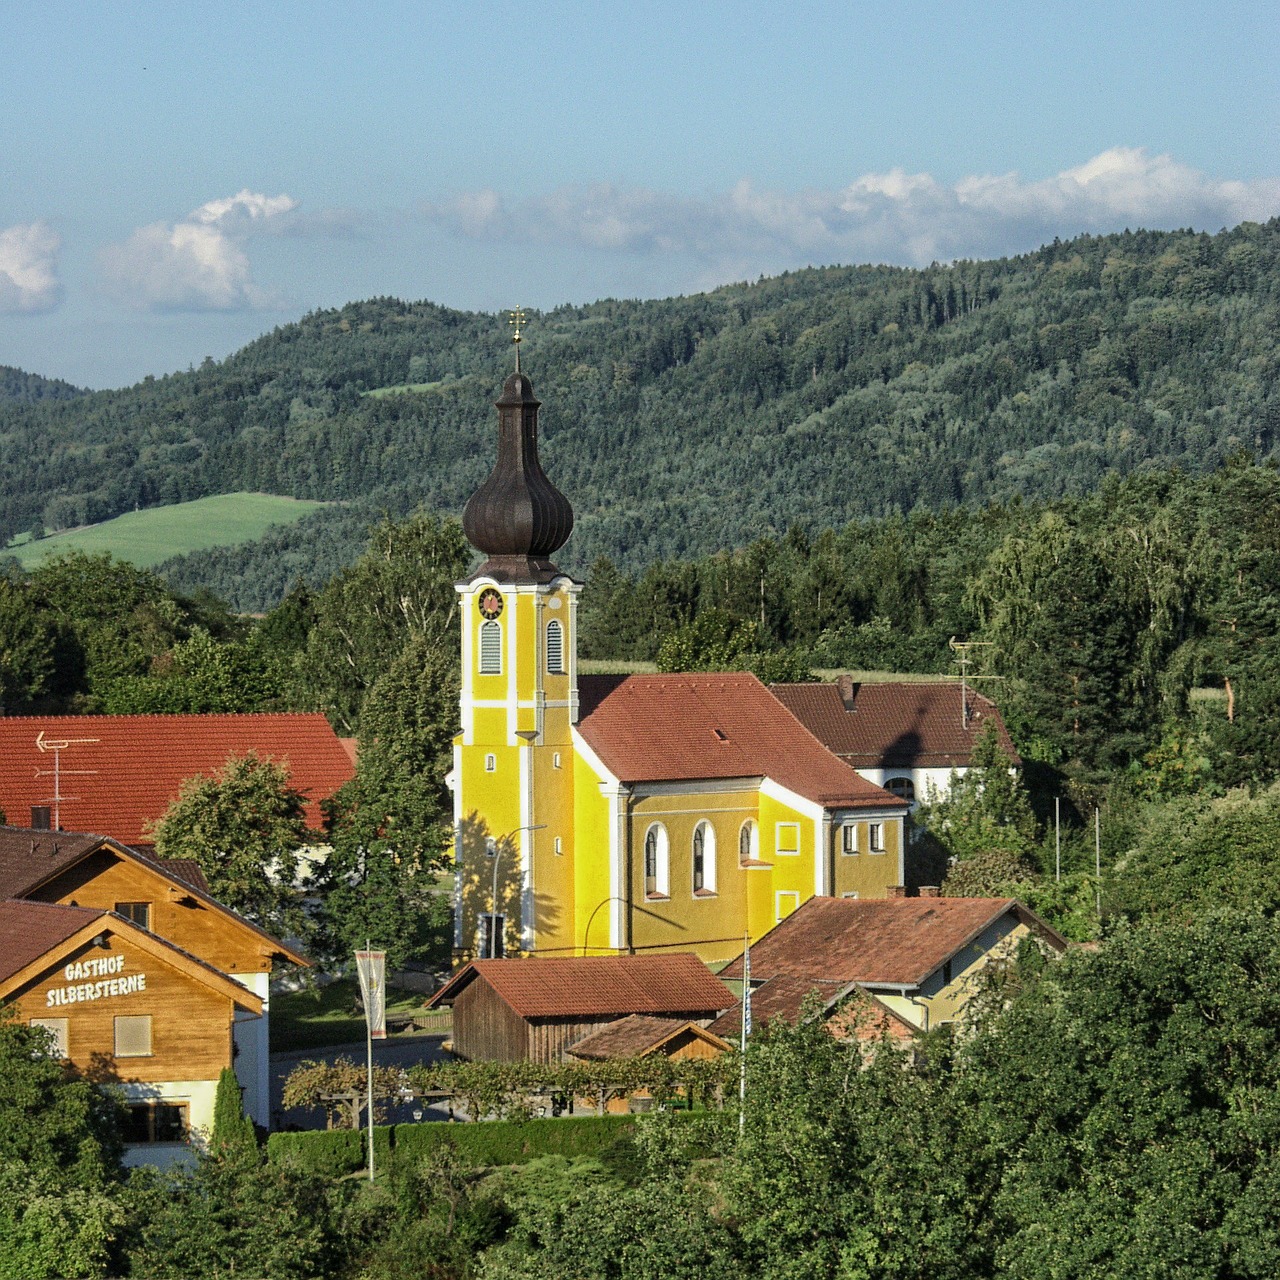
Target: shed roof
x,y
135,765
638,1035
784,997
895,724
596,986
889,942
713,725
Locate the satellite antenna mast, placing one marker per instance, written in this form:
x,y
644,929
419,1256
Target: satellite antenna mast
x,y
961,648
58,746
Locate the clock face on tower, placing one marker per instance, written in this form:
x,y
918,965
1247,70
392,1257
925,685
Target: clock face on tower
x,y
490,603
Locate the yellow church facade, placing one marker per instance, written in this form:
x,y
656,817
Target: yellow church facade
x,y
626,814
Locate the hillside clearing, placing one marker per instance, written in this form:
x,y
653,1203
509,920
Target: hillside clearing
x,y
145,538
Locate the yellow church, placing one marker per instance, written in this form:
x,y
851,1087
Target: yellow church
x,y
605,815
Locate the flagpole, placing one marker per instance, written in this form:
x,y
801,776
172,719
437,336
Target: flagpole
x,y
368,1027
746,1027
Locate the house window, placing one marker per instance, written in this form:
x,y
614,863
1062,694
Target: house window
x,y
785,902
849,838
492,941
57,1028
749,843
491,648
788,837
853,893
903,788
138,912
555,760
559,846
133,1036
657,863
555,648
491,764
150,1122
704,859
875,837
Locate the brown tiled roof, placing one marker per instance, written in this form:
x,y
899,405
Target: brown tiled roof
x,y
784,996
714,725
897,724
138,763
891,942
29,929
29,859
637,1035
597,986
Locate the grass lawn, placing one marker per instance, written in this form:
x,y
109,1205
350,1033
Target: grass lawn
x,y
145,538
329,1015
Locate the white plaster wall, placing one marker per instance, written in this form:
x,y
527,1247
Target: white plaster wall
x,y
939,780
252,1062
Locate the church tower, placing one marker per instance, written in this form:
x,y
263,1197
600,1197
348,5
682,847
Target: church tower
x,y
513,761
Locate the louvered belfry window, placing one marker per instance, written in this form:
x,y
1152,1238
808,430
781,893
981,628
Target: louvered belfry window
x,y
555,648
491,648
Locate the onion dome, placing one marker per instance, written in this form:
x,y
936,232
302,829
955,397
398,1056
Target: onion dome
x,y
517,517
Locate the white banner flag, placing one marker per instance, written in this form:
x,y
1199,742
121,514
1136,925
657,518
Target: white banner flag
x,y
371,967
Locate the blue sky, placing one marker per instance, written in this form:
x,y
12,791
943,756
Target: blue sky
x,y
181,178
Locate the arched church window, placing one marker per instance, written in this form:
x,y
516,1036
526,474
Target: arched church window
x,y
903,788
749,843
656,862
704,859
555,648
491,648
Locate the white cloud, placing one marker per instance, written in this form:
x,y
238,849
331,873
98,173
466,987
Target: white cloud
x,y
894,216
29,267
199,263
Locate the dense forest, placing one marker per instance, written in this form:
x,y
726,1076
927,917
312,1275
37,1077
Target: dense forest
x,y
683,426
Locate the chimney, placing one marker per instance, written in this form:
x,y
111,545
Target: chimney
x,y
41,817
897,891
930,891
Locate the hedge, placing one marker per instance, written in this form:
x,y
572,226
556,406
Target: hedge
x,y
336,1152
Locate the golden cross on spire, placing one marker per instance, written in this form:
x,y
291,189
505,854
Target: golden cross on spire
x,y
517,322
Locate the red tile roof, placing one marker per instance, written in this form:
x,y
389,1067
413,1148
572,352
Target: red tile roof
x,y
891,942
132,772
29,929
784,997
897,724
714,725
597,986
637,1035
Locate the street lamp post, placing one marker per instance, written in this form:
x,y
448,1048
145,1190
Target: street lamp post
x,y
493,848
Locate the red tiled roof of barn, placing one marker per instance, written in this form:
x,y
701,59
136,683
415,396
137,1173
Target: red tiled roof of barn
x,y
597,986
29,929
895,724
892,942
784,997
713,725
138,763
637,1035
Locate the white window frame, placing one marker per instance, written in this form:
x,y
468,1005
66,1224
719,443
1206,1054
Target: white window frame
x,y
484,931
849,839
555,651
491,763
661,862
60,1029
875,837
559,846
751,828
708,887
778,914
779,828
490,648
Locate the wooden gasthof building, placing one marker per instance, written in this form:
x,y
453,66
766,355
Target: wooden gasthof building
x,y
128,1009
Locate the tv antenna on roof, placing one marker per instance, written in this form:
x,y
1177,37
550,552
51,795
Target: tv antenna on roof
x,y
58,746
962,647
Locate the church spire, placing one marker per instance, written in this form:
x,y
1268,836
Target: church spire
x,y
517,517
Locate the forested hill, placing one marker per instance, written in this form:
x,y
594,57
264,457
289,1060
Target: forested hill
x,y
685,425
29,388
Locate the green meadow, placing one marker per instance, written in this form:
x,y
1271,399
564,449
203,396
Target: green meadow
x,y
146,538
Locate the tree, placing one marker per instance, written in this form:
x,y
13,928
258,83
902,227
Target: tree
x,y
244,828
28,650
391,824
232,1129
60,1146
